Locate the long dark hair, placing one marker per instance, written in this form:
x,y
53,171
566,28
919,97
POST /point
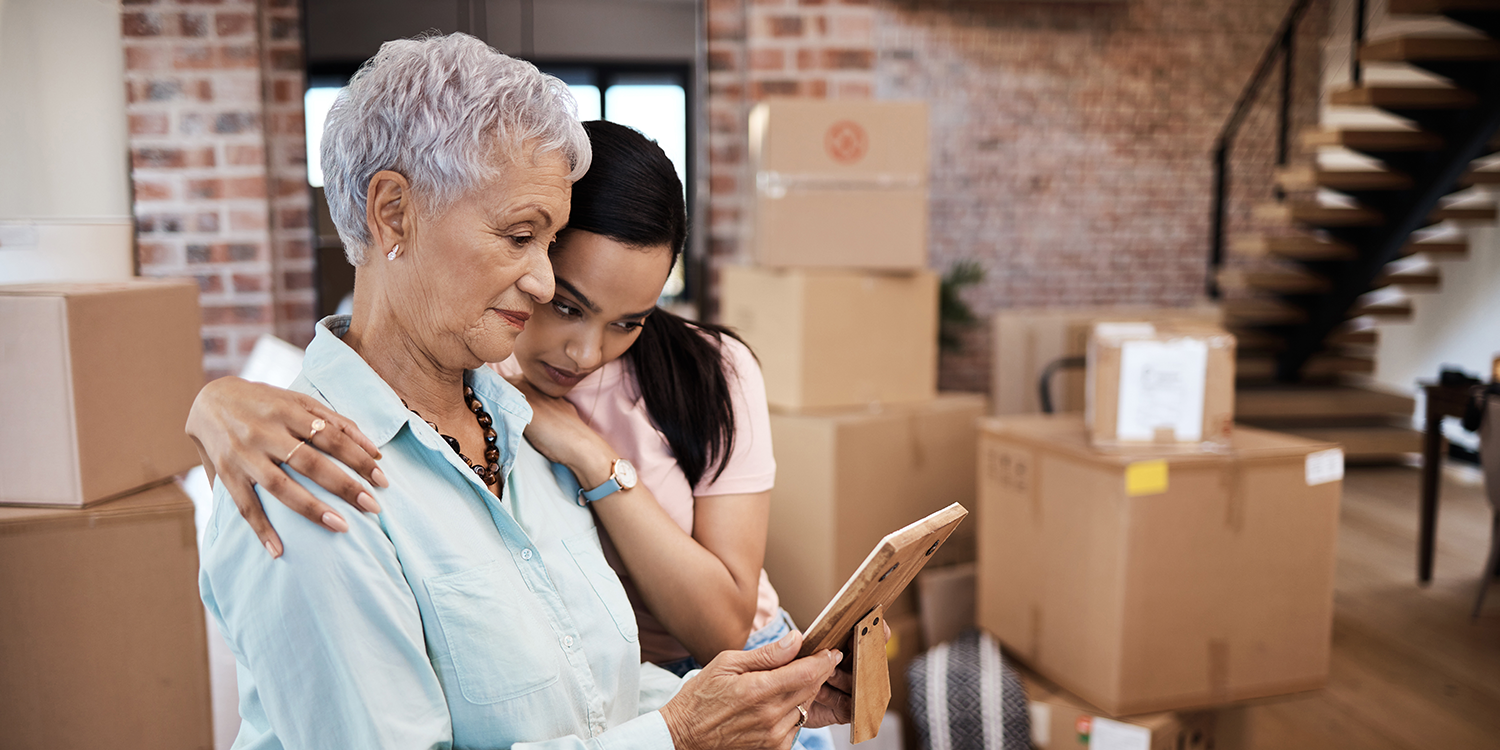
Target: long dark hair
x,y
631,195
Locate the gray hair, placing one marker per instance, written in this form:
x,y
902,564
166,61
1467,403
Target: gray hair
x,y
433,109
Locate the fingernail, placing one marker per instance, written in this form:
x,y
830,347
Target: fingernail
x,y
785,642
271,548
334,521
378,477
367,503
838,656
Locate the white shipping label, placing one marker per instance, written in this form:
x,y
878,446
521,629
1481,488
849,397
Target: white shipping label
x,y
1325,466
1124,330
1041,725
1108,734
1161,387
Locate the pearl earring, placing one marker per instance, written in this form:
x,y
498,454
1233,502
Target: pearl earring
x,y
392,254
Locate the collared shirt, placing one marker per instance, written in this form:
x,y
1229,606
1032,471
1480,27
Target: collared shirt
x,y
451,619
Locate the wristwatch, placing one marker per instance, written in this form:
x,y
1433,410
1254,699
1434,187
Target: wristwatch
x,y
621,477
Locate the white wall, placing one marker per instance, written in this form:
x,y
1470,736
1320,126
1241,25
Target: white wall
x,y
1459,325
64,157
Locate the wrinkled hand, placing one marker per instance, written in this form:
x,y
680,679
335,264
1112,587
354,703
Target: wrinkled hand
x,y
747,700
244,431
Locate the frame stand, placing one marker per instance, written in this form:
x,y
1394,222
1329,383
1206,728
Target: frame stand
x,y
872,676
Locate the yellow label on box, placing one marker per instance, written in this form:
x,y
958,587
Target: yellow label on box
x,y
1145,478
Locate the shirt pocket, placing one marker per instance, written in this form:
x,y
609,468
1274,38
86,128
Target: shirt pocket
x,y
589,555
501,645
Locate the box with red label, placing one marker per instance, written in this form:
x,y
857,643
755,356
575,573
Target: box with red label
x,y
839,184
1060,721
1144,581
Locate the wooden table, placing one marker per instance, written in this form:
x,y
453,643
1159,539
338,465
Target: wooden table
x,y
1442,401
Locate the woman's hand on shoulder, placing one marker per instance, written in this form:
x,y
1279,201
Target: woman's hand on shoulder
x,y
244,431
558,433
750,699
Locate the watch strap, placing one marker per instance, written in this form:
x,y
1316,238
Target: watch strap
x,y
610,487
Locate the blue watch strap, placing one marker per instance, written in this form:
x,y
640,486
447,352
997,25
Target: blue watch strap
x,y
610,487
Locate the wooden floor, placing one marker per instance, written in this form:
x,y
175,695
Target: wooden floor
x,y
1410,669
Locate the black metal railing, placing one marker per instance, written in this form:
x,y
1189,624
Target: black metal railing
x,y
1283,48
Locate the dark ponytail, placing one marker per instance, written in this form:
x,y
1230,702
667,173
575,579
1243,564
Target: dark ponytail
x,y
631,194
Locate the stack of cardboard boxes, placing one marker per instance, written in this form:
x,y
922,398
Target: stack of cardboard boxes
x,y
104,641
843,314
1153,556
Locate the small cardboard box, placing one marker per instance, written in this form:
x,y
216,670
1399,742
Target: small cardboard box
x,y
945,601
96,380
104,641
1060,721
839,184
1168,384
905,644
837,339
1149,582
844,480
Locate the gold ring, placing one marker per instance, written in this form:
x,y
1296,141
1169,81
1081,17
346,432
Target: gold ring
x,y
294,450
317,426
803,718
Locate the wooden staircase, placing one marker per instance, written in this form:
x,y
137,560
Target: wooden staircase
x,y
1356,243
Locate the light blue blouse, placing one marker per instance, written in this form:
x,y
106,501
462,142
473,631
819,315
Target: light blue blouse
x,y
451,619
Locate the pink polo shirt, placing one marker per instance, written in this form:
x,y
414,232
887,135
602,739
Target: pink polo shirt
x,y
609,400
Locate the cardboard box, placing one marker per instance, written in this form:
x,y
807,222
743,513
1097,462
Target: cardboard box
x,y
846,479
1025,341
1147,582
945,601
95,386
837,339
103,640
839,184
1060,721
1165,384
905,644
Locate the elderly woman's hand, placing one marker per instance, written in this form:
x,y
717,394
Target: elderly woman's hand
x,y
244,431
748,699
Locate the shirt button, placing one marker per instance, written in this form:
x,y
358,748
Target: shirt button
x,y
525,554
567,641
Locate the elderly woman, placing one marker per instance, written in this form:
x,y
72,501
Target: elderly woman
x,y
476,610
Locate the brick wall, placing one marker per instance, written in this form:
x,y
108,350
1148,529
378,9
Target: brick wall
x,y
214,100
1070,142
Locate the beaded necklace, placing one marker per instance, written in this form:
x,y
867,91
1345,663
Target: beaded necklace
x,y
489,471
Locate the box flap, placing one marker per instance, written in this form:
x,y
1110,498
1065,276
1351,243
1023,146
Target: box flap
x,y
1065,433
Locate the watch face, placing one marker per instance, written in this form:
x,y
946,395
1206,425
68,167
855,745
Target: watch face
x,y
625,474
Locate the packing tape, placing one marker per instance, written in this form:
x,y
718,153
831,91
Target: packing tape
x,y
1218,669
778,184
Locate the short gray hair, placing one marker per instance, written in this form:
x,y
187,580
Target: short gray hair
x,y
433,109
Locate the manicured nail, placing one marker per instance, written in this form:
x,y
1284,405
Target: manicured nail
x,y
367,503
334,521
271,548
378,477
838,656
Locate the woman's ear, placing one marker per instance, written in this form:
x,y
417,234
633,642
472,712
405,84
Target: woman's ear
x,y
388,209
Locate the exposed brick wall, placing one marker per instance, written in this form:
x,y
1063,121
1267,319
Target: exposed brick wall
x,y
214,105
1070,142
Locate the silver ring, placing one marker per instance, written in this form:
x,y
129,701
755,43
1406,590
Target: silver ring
x,y
801,720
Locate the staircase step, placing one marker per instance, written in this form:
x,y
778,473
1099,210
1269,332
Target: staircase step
x,y
1445,250
1319,215
1253,312
1277,281
1415,279
1466,213
1385,310
1297,247
1480,177
1304,403
1373,141
1248,339
1354,334
1258,367
1312,178
1435,7
1406,97
1367,443
1414,48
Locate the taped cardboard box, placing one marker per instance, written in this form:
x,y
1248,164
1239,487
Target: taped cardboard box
x,y
839,184
96,381
1060,721
846,479
1147,582
1025,341
104,641
1168,384
945,601
837,339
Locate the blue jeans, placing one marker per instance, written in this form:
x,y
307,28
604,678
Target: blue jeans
x,y
780,625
